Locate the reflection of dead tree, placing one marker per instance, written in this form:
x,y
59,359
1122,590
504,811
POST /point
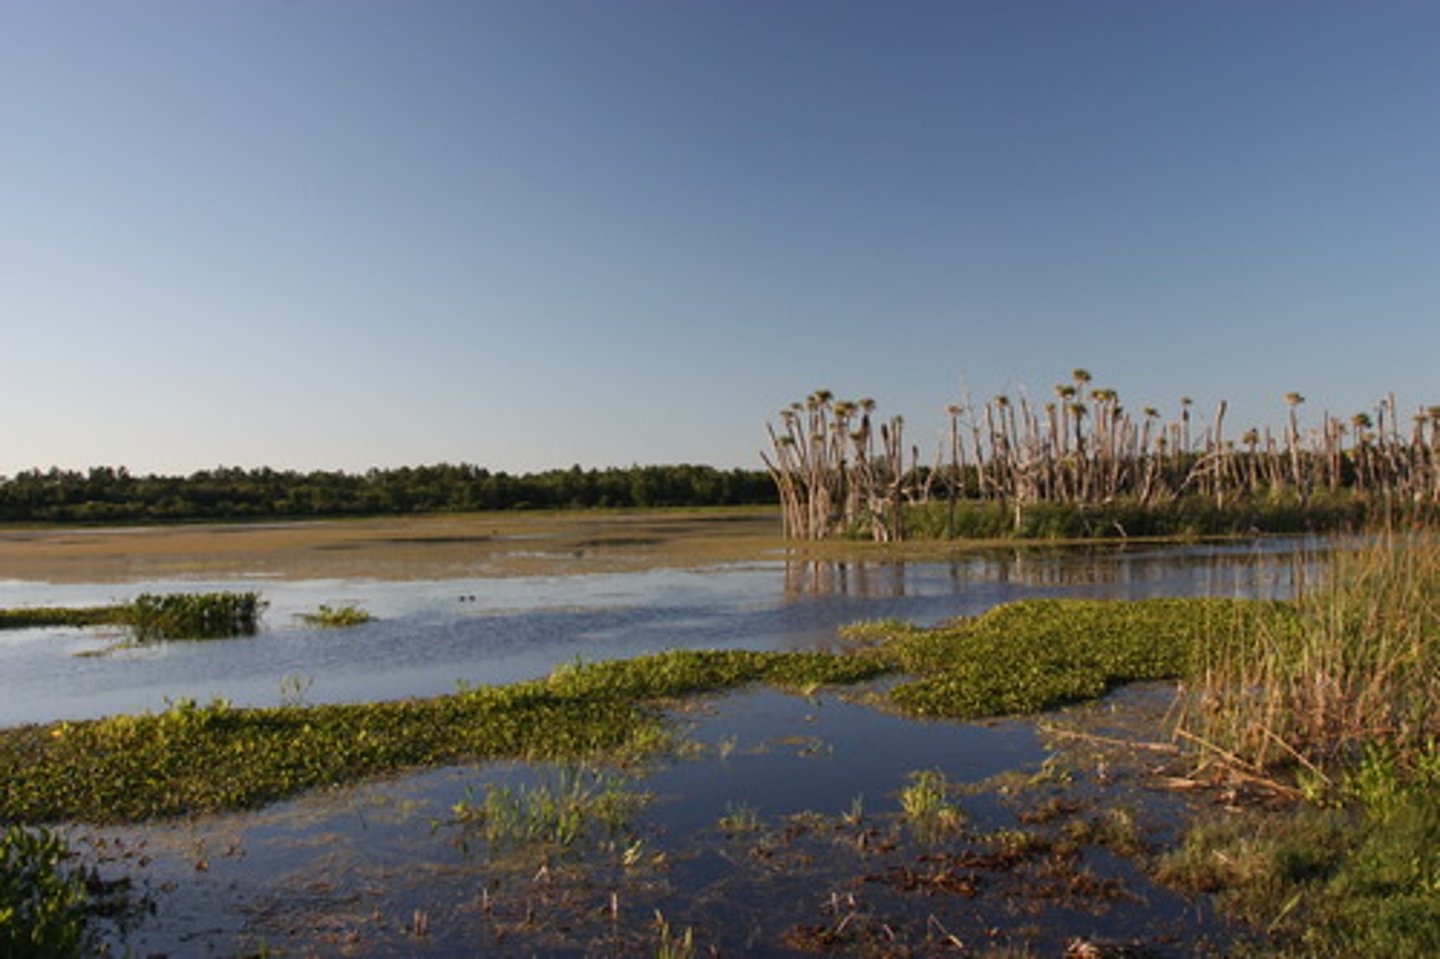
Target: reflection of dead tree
x,y
835,473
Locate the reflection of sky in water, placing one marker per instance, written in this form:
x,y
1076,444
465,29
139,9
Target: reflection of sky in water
x,y
431,635
332,861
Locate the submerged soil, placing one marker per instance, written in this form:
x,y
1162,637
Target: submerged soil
x,y
399,548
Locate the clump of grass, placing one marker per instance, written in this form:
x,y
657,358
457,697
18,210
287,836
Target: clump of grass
x,y
739,818
1345,698
1038,654
928,808
194,615
337,617
557,812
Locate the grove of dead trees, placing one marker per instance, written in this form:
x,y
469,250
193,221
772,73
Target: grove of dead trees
x,y
838,471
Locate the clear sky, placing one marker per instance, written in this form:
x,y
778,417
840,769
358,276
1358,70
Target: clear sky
x,y
341,234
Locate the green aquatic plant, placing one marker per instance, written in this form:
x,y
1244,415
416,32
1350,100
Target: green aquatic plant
x,y
193,615
194,758
927,807
155,616
44,900
337,617
49,616
558,811
739,818
1037,654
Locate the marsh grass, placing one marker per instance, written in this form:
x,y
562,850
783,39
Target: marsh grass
x,y
52,616
556,812
1358,879
927,807
1358,663
153,616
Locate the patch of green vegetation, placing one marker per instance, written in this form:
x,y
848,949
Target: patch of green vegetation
x,y
1360,879
927,807
1038,654
49,616
337,617
552,813
739,818
193,758
1359,665
194,615
44,902
668,675
154,616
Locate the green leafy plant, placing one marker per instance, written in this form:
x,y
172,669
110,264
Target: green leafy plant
x,y
337,617
193,615
44,902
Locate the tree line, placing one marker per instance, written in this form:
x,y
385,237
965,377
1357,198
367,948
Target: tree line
x,y
108,494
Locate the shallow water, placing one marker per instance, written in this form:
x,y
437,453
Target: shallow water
x,y
385,869
431,635
356,871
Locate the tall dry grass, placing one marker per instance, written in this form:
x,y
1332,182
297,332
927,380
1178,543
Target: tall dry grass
x,y
1359,664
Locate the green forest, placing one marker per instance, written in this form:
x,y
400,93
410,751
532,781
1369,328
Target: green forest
x,y
106,494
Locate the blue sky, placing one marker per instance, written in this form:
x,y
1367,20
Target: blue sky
x,y
341,234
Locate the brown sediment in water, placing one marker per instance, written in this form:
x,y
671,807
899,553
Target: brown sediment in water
x,y
396,548
556,543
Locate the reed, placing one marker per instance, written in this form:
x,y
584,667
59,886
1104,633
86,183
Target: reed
x,y
1358,665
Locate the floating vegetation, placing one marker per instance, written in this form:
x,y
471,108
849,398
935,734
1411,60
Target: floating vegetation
x,y
48,902
155,616
1038,654
337,617
193,758
194,615
48,616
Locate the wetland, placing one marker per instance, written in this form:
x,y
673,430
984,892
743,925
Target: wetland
x,y
784,797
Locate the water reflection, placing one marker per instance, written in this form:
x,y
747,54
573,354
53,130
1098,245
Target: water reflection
x,y
431,634
1262,567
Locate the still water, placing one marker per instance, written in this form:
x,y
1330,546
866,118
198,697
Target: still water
x,y
430,635
779,832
